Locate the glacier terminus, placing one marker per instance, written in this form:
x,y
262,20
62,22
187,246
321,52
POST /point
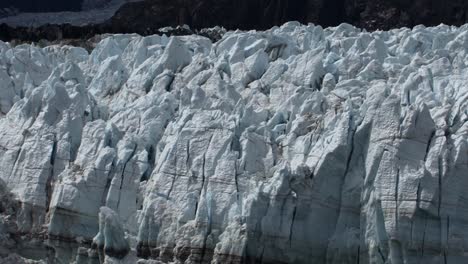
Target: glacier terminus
x,y
298,144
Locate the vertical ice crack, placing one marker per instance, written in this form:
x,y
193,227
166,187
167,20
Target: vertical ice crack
x,y
429,144
381,255
125,165
108,183
440,164
358,260
50,178
209,223
448,229
174,178
292,225
397,186
350,154
261,255
187,163
203,175
202,184
236,179
151,160
25,133
418,195
122,178
424,236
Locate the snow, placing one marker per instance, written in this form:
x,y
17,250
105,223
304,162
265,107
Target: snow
x,y
297,144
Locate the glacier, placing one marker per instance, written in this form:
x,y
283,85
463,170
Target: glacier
x,y
297,144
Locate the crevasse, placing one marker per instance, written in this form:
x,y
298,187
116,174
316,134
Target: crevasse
x,y
293,145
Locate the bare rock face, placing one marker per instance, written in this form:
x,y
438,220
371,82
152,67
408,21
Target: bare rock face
x,y
43,6
93,4
297,144
263,14
146,17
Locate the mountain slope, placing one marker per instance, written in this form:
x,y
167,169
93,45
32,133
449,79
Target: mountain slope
x,y
146,17
262,14
42,6
87,13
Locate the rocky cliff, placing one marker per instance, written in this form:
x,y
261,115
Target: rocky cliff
x,y
146,17
42,6
293,145
263,14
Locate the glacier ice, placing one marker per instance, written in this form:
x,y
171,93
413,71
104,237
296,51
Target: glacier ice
x,y
111,239
293,145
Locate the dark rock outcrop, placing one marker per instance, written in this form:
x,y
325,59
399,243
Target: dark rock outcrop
x,y
42,6
146,17
262,14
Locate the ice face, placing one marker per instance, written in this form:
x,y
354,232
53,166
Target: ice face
x,y
293,145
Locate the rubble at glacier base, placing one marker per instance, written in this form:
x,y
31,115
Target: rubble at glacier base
x,y
293,145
